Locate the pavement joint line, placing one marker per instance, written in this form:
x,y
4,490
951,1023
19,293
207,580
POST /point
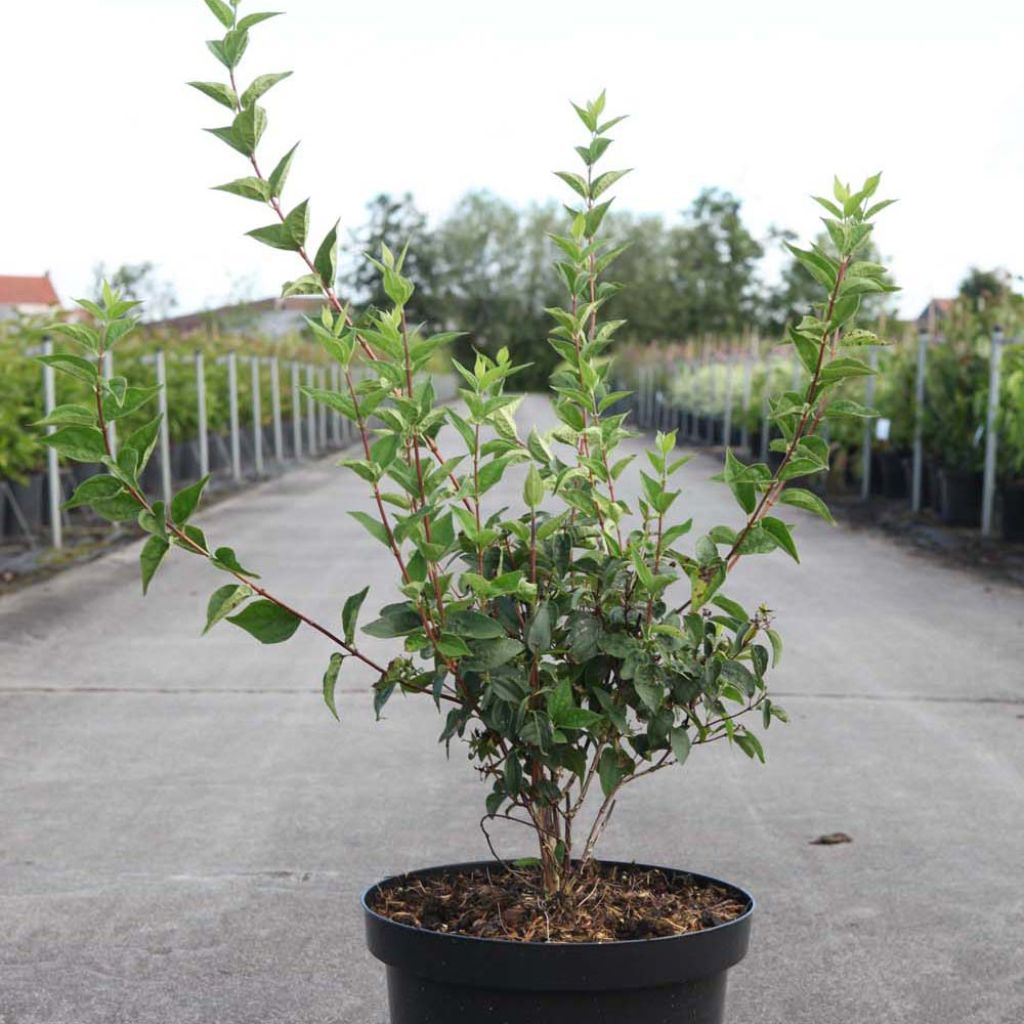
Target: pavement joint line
x,y
159,691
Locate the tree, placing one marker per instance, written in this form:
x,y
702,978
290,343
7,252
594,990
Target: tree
x,y
396,223
495,273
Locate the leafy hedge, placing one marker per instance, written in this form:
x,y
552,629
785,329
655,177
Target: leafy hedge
x,y
21,388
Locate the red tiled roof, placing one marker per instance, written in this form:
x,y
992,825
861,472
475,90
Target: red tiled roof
x,y
27,290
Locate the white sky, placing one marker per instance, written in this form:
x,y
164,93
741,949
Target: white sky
x,y
103,157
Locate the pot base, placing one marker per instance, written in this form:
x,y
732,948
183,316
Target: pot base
x,y
417,1000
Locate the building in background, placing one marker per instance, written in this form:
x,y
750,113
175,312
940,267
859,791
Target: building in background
x,y
268,318
27,296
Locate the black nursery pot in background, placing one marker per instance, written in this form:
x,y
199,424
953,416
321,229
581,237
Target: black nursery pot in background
x,y
1013,511
960,497
892,475
438,978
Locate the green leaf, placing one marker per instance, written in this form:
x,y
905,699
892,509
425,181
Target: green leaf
x,y
610,771
474,625
223,94
83,444
800,498
737,478
842,368
490,654
249,20
350,613
776,642
224,558
780,533
584,633
290,235
141,442
248,126
275,236
248,188
326,261
395,620
538,632
297,223
679,739
330,681
267,621
373,526
451,646
575,181
260,85
95,488
877,208
223,602
740,676
533,488
227,135
279,175
847,407
603,182
73,366
152,555
758,541
816,265
224,14
134,398
185,501
750,745
230,49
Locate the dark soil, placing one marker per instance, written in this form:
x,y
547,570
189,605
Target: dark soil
x,y
608,903
992,558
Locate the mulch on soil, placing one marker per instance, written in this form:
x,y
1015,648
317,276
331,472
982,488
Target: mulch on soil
x,y
607,904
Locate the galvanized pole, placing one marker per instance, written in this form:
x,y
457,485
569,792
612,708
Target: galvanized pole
x,y
165,433
236,446
310,413
748,386
108,372
917,478
991,434
275,409
257,416
321,408
765,423
204,435
296,412
727,415
869,426
52,463
335,415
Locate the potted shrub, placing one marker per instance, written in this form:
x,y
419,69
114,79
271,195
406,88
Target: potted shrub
x,y
1011,443
575,645
21,456
954,424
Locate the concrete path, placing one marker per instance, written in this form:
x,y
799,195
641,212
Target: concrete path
x,y
184,830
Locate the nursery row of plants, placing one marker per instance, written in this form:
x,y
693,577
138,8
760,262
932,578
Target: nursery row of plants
x,y
701,390
23,478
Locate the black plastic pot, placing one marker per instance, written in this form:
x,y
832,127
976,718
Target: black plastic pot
x,y
892,477
185,461
1013,510
29,497
436,978
960,497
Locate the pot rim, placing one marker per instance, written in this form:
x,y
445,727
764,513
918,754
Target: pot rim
x,y
615,943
